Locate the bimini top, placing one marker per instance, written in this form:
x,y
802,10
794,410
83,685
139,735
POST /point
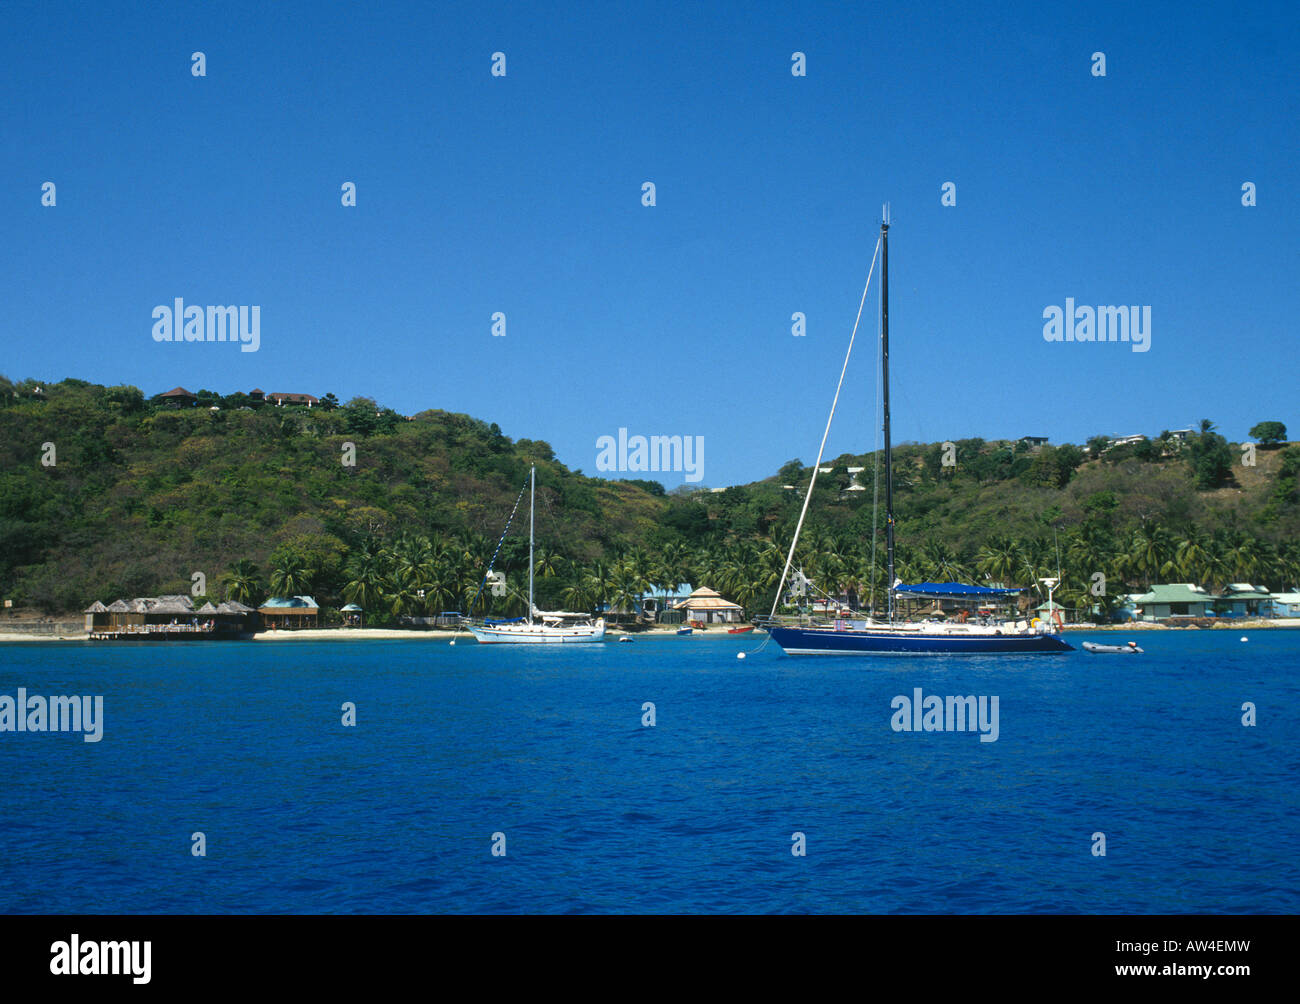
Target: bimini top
x,y
953,591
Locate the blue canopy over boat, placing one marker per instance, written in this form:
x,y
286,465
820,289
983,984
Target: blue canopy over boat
x,y
953,591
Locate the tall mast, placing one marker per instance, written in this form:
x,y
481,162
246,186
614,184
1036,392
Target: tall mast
x,y
532,512
884,369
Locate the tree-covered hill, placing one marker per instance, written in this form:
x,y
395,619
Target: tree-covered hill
x,y
105,493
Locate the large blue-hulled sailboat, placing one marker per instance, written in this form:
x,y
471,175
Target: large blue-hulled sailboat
x,y
893,636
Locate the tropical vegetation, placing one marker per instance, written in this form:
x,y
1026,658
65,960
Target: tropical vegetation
x,y
105,493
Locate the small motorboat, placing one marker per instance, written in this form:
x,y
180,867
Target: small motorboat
x,y
625,638
685,630
1092,646
741,630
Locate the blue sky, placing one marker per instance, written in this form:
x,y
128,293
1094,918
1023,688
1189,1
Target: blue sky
x,y
522,194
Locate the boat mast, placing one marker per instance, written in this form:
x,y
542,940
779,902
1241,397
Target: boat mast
x,y
884,369
532,512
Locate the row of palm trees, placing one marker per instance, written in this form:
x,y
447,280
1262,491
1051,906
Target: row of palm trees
x,y
1096,568
418,574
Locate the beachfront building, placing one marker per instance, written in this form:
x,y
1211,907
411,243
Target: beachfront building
x,y
1241,599
1286,604
97,616
707,606
664,607
1179,599
281,613
167,616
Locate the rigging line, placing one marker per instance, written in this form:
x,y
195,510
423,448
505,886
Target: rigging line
x,y
821,449
498,549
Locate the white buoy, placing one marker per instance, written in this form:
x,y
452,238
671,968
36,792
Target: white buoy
x,y
740,655
1243,637
453,641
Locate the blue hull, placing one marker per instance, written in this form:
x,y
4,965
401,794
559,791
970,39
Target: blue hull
x,y
824,641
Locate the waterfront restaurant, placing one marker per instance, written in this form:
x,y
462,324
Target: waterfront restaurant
x,y
281,613
168,615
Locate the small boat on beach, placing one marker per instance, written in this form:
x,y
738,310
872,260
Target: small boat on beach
x,y
741,630
1092,646
685,630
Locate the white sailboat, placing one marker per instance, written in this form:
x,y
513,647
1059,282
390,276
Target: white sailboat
x,y
540,627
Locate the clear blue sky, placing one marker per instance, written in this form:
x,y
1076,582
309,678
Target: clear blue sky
x,y
522,194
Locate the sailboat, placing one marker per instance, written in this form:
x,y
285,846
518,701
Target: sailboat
x,y
896,636
540,627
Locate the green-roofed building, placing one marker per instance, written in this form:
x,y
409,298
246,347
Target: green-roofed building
x,y
289,612
1241,599
1178,599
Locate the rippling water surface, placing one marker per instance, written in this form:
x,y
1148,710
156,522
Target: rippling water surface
x,y
244,743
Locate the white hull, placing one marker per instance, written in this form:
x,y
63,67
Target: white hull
x,y
539,634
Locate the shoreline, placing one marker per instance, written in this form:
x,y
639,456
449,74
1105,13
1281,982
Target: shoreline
x,y
394,634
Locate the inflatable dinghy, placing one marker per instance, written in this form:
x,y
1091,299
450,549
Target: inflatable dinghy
x,y
1092,646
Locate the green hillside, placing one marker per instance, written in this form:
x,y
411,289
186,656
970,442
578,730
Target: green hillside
x,y
143,494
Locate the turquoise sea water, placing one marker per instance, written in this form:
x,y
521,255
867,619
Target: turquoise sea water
x,y
545,745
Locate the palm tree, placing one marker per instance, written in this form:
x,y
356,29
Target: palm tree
x,y
747,589
1152,550
1216,567
405,592
676,566
940,563
291,575
547,564
1244,557
578,595
1191,555
625,589
365,579
242,582
596,583
998,559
